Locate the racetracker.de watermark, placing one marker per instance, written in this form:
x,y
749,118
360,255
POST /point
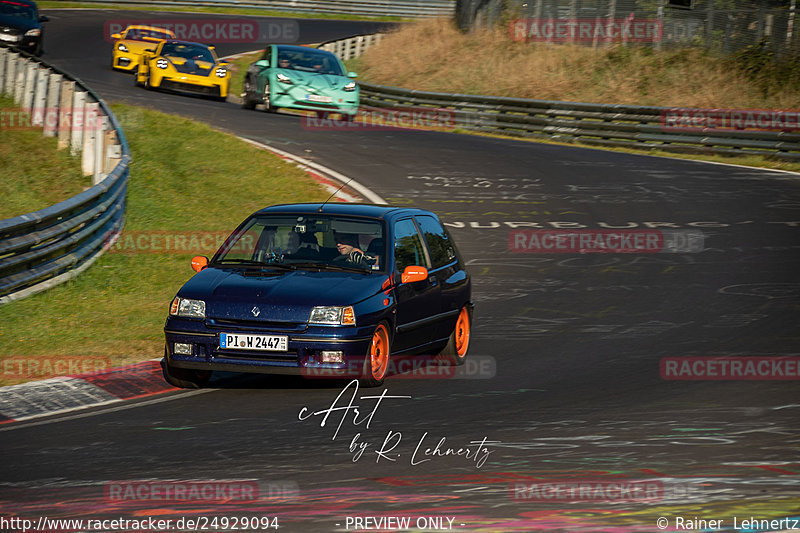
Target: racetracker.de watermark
x,y
546,241
214,30
53,118
740,368
413,367
210,491
380,119
31,367
696,119
586,30
174,242
578,490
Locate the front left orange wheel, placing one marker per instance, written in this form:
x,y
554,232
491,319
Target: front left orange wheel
x,y
376,364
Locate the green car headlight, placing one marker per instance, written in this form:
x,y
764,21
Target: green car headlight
x,y
188,308
350,87
283,78
333,315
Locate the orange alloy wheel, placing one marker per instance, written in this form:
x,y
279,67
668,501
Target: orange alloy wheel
x,y
462,333
379,352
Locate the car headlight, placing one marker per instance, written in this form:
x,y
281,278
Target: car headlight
x,y
33,33
122,48
221,72
340,316
283,78
350,87
188,308
162,63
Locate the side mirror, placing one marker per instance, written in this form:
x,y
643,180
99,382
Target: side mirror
x,y
116,36
262,63
199,262
414,273
352,75
44,18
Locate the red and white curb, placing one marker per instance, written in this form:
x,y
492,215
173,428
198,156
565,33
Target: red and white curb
x,y
63,394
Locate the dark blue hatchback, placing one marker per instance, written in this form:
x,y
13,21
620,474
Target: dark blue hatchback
x,y
321,290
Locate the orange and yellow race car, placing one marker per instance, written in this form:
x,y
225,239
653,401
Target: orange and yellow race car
x,y
129,45
186,67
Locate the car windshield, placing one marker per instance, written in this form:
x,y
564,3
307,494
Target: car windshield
x,y
311,60
326,242
17,9
140,34
195,52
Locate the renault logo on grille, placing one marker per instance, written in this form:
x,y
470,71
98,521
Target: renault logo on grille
x,y
256,311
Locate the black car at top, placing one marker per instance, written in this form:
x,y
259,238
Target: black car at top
x,y
21,25
322,290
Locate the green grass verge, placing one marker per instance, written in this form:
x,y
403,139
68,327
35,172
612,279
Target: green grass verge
x,y
56,4
35,174
185,177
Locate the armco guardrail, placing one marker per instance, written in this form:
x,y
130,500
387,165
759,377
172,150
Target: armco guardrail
x,y
46,247
643,127
353,46
373,8
599,124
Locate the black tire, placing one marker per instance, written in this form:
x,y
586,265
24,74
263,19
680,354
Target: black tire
x,y
136,78
247,103
455,351
267,104
185,378
369,377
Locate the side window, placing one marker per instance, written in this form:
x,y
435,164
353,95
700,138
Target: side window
x,y
408,248
439,244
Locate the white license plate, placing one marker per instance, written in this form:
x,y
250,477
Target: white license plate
x,y
269,343
9,38
319,98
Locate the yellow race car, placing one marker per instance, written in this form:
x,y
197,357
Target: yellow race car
x,y
186,67
129,45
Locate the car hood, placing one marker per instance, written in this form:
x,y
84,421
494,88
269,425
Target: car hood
x,y
319,82
18,23
138,47
278,295
191,66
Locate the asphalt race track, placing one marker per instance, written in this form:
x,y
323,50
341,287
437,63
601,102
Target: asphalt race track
x,y
565,382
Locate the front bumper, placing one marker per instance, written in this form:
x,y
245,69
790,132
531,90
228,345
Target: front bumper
x,y
125,60
303,356
346,103
189,83
21,42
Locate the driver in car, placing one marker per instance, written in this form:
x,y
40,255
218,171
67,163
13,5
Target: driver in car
x,y
347,245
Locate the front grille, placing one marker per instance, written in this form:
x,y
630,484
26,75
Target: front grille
x,y
282,357
256,325
189,88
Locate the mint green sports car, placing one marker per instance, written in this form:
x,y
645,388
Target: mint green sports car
x,y
299,77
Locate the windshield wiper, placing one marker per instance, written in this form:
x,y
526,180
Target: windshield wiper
x,y
329,266
249,263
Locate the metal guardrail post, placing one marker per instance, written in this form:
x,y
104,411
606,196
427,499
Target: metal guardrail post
x,y
78,122
31,74
39,97
19,84
90,126
52,101
65,114
3,64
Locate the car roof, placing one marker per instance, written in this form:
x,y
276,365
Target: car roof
x,y
296,48
338,208
151,28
